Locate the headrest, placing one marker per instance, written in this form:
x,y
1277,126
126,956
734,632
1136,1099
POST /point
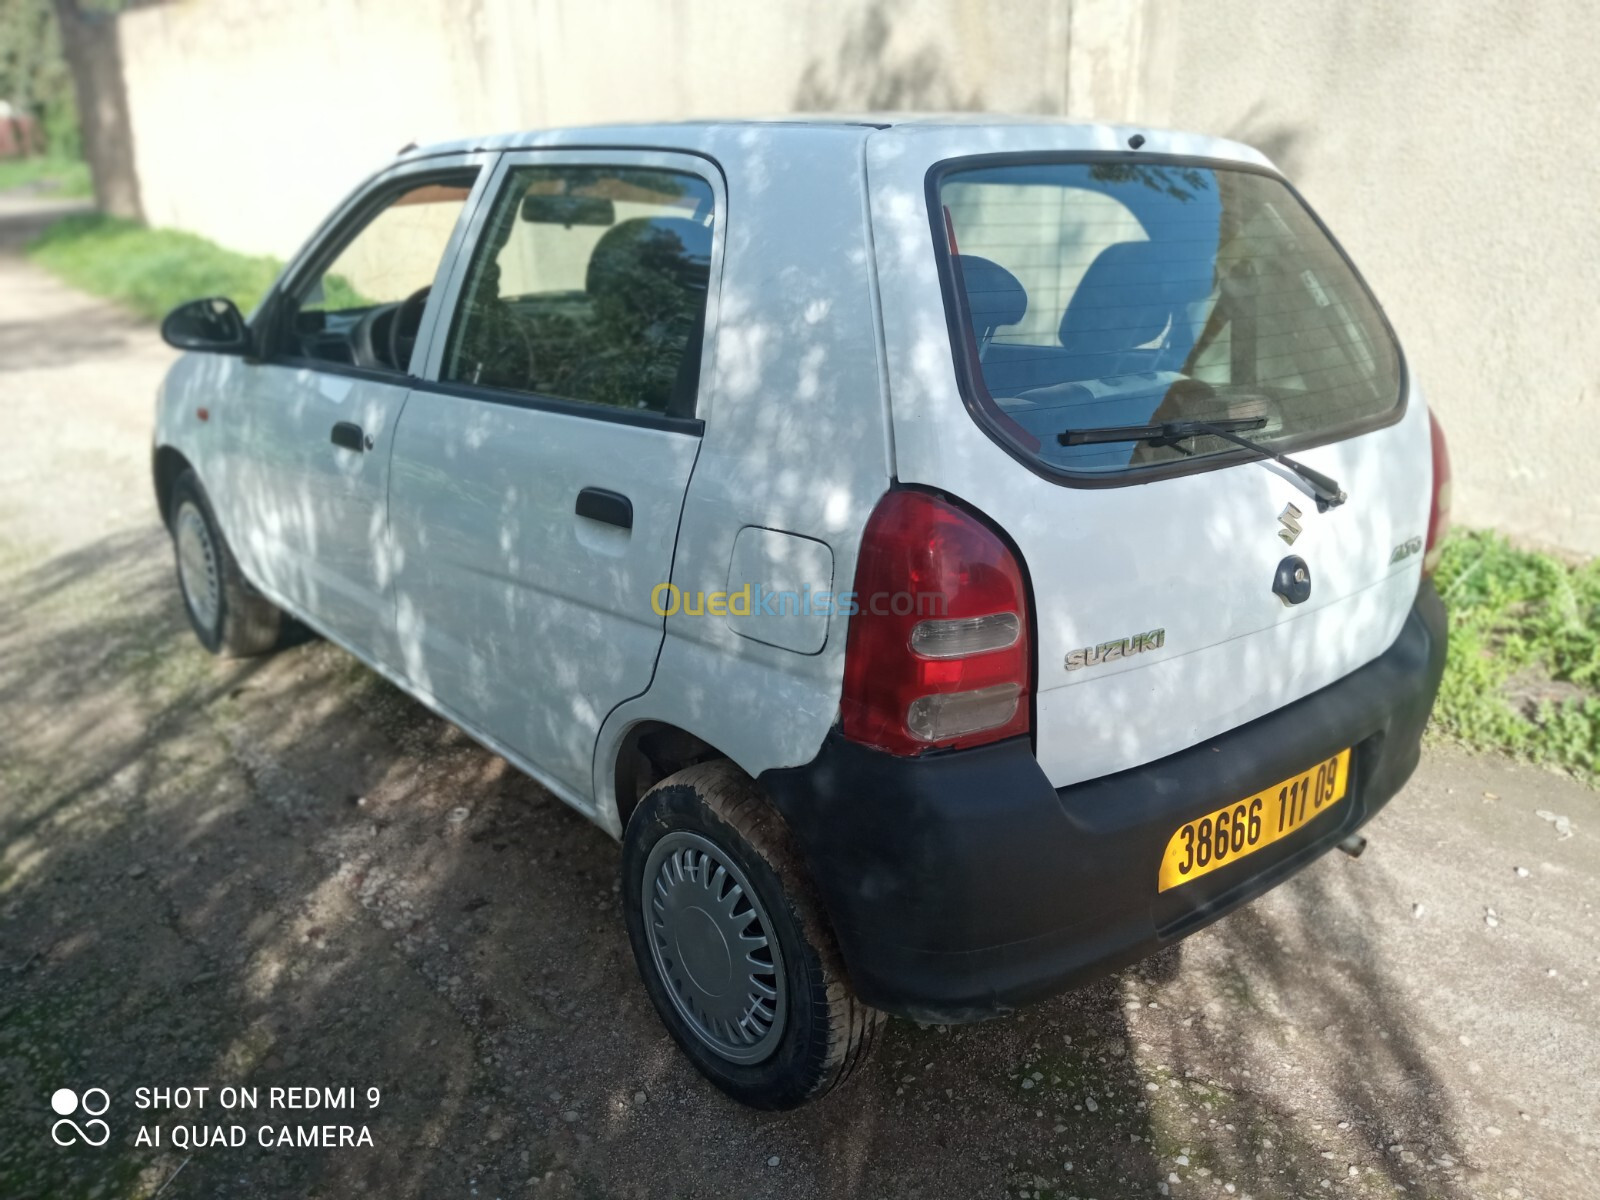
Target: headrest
x,y
995,296
1127,296
674,247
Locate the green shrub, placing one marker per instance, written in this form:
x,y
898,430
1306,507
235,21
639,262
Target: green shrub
x,y
1523,674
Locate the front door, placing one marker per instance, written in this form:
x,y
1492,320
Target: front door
x,y
321,411
537,479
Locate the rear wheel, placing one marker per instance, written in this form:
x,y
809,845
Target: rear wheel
x,y
732,945
229,616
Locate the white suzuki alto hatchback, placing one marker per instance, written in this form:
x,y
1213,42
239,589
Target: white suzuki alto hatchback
x,y
956,558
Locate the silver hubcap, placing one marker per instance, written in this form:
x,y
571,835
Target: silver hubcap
x,y
197,566
714,948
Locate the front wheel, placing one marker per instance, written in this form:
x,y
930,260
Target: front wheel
x,y
731,943
229,616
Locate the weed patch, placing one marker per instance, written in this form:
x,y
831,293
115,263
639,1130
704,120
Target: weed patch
x,y
1523,674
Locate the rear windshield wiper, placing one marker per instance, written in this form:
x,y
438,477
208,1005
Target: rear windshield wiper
x,y
1169,433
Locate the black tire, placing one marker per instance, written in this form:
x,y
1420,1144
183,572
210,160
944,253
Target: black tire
x,y
231,619
826,1032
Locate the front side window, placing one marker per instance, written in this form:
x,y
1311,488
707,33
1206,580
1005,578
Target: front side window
x,y
589,284
1099,294
364,306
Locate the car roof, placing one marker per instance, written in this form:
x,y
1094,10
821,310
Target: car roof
x,y
989,131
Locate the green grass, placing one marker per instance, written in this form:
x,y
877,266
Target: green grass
x,y
152,271
1523,674
57,176
149,270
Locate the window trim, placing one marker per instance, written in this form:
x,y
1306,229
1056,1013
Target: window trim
x,y
561,405
685,162
341,228
986,412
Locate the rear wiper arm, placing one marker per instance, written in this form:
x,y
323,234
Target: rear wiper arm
x,y
1169,433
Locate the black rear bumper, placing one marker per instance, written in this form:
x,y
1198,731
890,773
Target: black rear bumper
x,y
962,885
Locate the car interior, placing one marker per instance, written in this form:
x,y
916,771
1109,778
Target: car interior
x,y
371,319
1126,354
629,338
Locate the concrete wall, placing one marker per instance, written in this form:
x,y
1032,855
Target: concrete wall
x,y
1453,148
252,117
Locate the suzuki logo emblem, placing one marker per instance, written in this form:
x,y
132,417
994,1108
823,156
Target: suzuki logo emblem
x,y
1289,518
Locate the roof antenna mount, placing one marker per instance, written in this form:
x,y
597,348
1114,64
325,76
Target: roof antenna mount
x,y
1136,141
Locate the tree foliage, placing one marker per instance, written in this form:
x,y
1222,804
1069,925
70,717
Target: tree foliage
x,y
34,75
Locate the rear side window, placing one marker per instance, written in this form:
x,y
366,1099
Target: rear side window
x,y
589,284
1097,294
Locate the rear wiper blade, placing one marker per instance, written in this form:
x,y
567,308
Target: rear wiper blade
x,y
1169,433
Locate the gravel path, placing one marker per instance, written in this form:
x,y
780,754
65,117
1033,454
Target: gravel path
x,y
284,873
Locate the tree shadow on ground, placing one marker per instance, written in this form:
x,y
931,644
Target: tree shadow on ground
x,y
284,872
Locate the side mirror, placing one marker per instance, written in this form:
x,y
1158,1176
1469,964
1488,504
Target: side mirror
x,y
214,325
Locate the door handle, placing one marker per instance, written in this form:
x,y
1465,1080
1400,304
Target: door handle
x,y
348,436
600,505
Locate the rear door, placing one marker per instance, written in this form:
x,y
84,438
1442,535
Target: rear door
x,y
538,477
1074,291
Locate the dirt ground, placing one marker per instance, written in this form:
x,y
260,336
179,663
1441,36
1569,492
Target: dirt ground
x,y
285,873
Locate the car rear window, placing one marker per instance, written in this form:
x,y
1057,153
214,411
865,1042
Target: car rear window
x,y
1095,294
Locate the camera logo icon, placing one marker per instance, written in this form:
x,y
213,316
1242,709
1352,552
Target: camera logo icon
x,y
65,1102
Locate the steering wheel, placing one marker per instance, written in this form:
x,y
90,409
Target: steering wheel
x,y
404,326
368,334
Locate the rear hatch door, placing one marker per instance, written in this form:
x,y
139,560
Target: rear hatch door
x,y
1035,283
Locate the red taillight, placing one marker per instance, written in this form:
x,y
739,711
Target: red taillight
x,y
938,649
1439,515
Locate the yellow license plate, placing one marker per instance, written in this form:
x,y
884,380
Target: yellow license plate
x,y
1217,839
